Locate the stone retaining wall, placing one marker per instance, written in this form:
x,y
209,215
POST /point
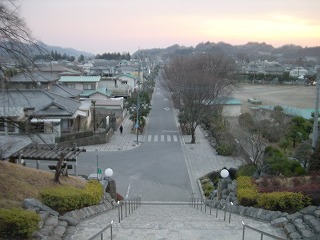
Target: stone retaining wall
x,y
56,226
302,225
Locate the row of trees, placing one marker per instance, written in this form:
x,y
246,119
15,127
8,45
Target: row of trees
x,y
114,56
54,55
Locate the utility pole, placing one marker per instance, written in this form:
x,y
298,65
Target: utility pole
x,y
138,105
316,114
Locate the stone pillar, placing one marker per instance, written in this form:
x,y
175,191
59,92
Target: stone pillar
x,y
111,187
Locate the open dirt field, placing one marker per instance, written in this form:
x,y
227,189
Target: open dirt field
x,y
289,95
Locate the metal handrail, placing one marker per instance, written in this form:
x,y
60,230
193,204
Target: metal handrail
x,y
195,202
102,231
259,231
130,205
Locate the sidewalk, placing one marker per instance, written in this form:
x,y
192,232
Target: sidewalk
x,y
118,142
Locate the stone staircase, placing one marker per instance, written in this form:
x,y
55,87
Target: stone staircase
x,y
181,221
304,224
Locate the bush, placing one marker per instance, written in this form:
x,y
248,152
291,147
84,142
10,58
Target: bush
x,y
276,163
17,223
283,201
224,150
247,192
64,199
207,189
247,170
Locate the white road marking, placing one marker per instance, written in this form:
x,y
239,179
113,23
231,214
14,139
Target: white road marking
x,y
128,190
162,138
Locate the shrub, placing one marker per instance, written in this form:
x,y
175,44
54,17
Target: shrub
x,y
277,163
283,201
17,223
63,199
224,149
207,189
247,170
247,192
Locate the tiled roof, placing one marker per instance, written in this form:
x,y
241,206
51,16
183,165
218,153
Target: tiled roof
x,y
101,90
41,101
75,79
125,75
35,77
65,91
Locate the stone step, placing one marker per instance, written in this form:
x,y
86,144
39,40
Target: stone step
x,y
304,230
185,222
313,223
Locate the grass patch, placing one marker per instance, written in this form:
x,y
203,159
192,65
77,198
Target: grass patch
x,y
18,182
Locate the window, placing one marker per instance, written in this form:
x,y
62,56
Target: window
x,y
1,125
11,127
87,86
71,85
38,127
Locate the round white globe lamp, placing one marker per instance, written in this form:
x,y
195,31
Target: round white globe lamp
x,y
108,172
224,173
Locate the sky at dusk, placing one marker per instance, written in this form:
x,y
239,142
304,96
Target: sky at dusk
x,y
99,26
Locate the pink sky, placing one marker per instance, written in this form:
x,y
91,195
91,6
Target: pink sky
x,y
99,26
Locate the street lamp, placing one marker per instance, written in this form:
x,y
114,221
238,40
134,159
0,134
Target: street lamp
x,y
108,172
224,173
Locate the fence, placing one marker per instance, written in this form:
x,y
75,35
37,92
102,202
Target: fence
x,y
128,206
203,204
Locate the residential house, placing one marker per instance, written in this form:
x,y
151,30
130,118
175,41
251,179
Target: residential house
x,y
81,83
121,85
32,80
95,91
58,69
43,114
299,72
65,91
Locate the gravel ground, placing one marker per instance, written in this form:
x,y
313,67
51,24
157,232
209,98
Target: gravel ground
x,y
289,95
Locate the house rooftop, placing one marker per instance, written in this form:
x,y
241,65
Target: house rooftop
x,y
36,76
78,79
65,91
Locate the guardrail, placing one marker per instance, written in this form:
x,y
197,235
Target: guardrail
x,y
128,206
203,203
102,231
259,231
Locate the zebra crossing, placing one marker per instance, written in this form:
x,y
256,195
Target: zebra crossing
x,y
163,138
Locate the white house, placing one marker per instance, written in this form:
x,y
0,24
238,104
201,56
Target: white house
x,y
298,72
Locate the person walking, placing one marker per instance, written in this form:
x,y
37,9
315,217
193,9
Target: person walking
x,y
121,128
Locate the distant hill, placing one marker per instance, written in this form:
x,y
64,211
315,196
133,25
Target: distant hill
x,y
68,51
249,51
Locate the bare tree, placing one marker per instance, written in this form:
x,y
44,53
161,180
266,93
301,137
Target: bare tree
x,y
17,46
251,134
198,83
17,49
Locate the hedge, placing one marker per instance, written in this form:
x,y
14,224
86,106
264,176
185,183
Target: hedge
x,y
18,223
283,201
64,199
247,192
